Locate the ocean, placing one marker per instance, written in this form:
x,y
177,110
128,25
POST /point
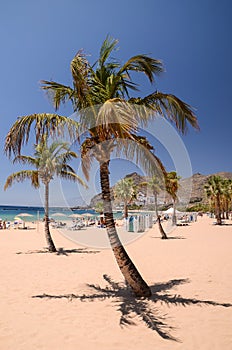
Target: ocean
x,y
10,212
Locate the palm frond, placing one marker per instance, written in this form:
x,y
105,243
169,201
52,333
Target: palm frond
x,y
58,93
155,184
87,120
44,123
80,69
67,167
144,108
138,150
66,157
87,156
59,149
172,184
171,107
145,64
68,175
116,117
25,160
107,47
21,176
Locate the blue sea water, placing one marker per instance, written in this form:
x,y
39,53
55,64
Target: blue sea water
x,y
9,213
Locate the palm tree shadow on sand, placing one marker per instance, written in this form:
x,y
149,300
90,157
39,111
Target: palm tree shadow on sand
x,y
168,237
61,251
143,309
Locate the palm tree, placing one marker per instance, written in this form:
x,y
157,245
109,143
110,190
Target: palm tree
x,y
125,190
106,112
156,184
214,192
48,161
226,196
99,207
172,186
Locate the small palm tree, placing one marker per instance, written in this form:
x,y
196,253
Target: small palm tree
x,y
214,191
99,207
172,186
125,190
156,184
48,161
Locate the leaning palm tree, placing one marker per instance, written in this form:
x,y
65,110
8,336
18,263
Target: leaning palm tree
x,y
107,113
172,186
156,184
48,161
125,190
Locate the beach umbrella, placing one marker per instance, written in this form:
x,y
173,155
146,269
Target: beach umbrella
x,y
17,218
58,214
88,215
75,216
25,214
171,210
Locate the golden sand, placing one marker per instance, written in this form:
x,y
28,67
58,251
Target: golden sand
x,y
76,299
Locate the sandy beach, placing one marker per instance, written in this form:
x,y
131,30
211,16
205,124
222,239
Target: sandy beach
x,y
76,299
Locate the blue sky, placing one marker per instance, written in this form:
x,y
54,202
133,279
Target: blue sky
x,y
192,38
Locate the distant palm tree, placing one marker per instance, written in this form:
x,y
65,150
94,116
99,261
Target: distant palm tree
x,y
172,186
156,184
125,190
99,207
100,95
48,161
226,196
214,191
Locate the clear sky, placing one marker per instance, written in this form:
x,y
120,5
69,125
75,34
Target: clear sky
x,y
192,38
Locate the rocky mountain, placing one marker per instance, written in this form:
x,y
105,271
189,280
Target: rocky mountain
x,y
191,189
197,183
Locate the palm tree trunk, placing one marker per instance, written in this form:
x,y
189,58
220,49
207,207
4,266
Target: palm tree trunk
x,y
174,213
227,209
50,243
125,210
223,212
218,210
128,269
162,232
